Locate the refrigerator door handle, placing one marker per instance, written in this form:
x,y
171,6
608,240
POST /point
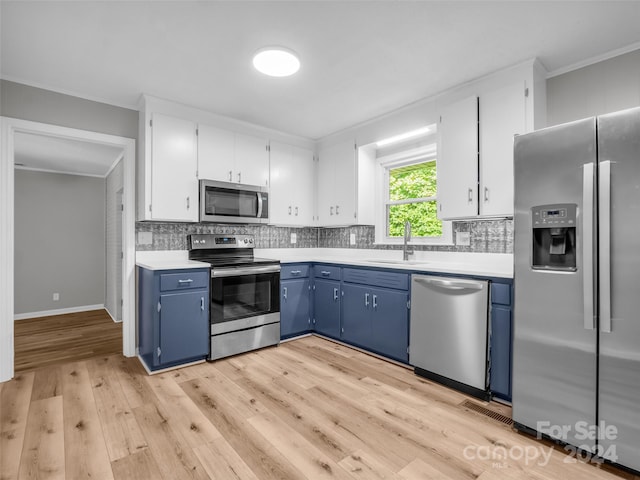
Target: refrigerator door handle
x,y
604,245
588,175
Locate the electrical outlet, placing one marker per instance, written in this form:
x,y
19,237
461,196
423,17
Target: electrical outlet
x,y
145,238
294,238
463,239
352,239
56,297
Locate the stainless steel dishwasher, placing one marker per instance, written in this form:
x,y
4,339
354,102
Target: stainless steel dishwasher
x,y
448,340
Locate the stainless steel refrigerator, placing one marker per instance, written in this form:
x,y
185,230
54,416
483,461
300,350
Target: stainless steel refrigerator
x,y
576,348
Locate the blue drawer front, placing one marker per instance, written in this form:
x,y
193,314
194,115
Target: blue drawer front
x,y
501,293
376,278
297,270
184,280
327,271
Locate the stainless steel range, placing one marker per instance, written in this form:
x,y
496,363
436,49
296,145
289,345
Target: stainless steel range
x,y
245,299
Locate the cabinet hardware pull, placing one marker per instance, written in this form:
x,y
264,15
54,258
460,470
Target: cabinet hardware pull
x,y
202,303
335,294
239,177
324,273
230,175
296,272
188,280
337,209
366,299
159,352
486,194
284,292
330,210
296,211
289,209
470,199
187,203
375,302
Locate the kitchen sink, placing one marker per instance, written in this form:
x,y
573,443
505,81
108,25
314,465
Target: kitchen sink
x,y
396,262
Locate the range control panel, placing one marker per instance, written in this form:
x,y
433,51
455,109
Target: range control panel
x,y
208,241
560,215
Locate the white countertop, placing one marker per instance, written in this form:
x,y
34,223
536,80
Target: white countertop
x,y
498,265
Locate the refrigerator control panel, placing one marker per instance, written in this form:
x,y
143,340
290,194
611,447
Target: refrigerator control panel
x,y
551,216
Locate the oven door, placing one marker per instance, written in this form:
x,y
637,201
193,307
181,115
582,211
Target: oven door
x,y
244,297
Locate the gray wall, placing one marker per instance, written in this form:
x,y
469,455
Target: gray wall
x,y
603,87
39,105
59,241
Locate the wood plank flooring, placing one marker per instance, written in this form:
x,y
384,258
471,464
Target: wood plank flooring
x,y
308,409
63,338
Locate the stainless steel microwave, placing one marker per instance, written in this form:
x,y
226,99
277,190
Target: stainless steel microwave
x,y
227,202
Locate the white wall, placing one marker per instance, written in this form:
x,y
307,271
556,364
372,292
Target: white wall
x,y
114,183
604,87
59,241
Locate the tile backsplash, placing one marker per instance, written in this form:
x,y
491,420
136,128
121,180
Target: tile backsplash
x,y
486,236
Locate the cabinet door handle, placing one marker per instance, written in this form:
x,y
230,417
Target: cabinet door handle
x,y
337,209
470,198
284,292
289,209
335,294
296,211
486,194
375,302
188,203
230,175
366,299
296,272
188,280
202,303
330,210
239,177
324,273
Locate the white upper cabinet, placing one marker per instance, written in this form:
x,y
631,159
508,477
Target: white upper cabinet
x,y
337,185
216,153
458,160
292,181
475,160
502,116
232,157
169,185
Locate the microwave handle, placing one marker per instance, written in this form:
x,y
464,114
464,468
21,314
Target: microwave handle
x,y
259,194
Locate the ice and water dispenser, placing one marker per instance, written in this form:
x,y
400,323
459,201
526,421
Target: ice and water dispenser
x,y
554,237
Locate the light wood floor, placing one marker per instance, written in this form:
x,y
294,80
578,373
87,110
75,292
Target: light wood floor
x,y
308,409
63,338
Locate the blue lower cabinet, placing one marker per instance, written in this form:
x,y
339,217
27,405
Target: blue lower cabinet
x,y
390,323
356,315
294,307
173,316
326,299
501,340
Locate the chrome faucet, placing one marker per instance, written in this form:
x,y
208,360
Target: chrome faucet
x,y
406,251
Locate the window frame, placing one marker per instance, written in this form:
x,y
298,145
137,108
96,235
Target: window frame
x,y
383,166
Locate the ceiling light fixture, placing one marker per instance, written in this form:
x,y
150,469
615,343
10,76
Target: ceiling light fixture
x,y
403,136
276,61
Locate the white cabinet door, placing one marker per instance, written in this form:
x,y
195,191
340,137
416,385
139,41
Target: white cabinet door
x,y
291,190
458,161
174,161
337,185
502,115
251,160
216,153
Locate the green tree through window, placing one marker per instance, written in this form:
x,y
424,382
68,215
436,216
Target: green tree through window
x,y
412,197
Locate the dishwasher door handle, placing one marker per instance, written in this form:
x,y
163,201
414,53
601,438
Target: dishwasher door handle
x,y
451,284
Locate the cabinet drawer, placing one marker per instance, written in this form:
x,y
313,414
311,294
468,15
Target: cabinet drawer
x,y
297,270
501,293
378,278
184,280
327,271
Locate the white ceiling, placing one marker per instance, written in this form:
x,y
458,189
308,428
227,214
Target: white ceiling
x,y
54,154
360,59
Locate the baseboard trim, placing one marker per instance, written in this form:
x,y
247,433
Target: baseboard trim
x,y
60,311
112,317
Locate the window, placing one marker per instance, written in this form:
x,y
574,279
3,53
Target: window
x,y
408,191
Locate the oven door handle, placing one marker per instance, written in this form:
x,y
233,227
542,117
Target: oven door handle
x,y
235,272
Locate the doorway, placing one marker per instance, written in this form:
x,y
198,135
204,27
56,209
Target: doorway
x,y
10,128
